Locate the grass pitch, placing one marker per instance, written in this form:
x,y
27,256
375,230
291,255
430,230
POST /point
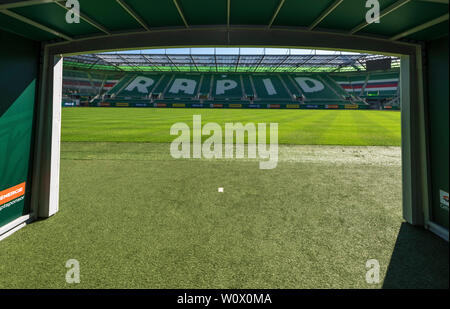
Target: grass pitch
x,y
134,217
300,127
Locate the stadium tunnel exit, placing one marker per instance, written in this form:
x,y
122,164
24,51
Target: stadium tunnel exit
x,y
31,65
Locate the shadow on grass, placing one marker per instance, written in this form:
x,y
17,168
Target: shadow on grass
x,y
420,260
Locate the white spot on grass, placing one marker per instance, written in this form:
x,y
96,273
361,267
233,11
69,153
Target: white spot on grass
x,y
221,190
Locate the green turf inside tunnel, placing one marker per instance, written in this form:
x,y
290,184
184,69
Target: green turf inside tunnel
x,y
134,217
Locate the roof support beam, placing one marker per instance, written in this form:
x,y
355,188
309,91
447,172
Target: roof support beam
x,y
151,62
181,13
304,62
173,63
35,24
111,63
85,18
259,62
215,60
362,64
193,61
420,27
348,63
325,13
134,65
228,63
133,14
280,5
386,11
280,63
332,59
19,4
356,68
436,1
228,13
327,63
93,64
338,69
237,62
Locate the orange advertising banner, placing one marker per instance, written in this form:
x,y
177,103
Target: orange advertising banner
x,y
12,193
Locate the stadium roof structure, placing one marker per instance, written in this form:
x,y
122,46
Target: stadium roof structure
x,y
223,63
44,20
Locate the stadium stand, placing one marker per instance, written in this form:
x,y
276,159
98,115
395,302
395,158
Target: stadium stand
x,y
248,87
267,90
379,89
270,88
79,87
227,87
205,87
231,80
183,86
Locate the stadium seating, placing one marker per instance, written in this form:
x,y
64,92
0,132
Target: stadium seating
x,y
370,84
183,86
227,87
205,87
248,87
291,85
79,82
161,85
379,89
260,90
270,88
80,87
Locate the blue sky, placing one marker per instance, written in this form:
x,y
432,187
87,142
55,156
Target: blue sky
x,y
233,51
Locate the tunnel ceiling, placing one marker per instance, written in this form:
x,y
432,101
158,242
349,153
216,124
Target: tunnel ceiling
x,y
400,20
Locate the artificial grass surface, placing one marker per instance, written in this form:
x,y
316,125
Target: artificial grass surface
x,y
136,218
301,127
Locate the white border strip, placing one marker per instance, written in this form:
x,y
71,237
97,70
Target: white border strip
x,y
371,89
438,230
373,81
14,226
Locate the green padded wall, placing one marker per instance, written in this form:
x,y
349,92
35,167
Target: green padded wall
x,y
19,61
438,67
